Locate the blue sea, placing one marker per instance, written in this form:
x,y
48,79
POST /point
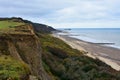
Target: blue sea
x,y
96,35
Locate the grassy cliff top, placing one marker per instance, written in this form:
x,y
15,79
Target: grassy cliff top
x,y
8,23
7,26
15,27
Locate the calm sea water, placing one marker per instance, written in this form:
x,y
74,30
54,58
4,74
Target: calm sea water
x,y
97,35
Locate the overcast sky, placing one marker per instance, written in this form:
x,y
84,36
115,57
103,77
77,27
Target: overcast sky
x,y
65,13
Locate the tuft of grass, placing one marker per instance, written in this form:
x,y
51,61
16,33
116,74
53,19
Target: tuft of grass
x,y
12,69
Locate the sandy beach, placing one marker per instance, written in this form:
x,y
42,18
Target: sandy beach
x,y
109,55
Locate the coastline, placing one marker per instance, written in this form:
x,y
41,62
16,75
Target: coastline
x,y
108,55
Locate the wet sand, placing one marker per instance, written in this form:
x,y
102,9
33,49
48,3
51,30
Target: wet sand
x,y
109,55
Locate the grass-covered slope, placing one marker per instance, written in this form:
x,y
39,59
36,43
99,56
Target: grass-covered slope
x,y
11,69
64,63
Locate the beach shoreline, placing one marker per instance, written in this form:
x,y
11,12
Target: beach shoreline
x,y
108,55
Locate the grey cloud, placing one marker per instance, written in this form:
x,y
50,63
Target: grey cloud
x,y
62,11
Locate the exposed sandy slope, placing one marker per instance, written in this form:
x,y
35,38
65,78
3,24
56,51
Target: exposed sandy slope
x,y
109,55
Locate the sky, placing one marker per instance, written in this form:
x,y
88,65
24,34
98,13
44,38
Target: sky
x,y
65,13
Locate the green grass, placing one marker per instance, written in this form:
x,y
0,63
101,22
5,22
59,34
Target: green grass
x,y
49,41
11,68
8,24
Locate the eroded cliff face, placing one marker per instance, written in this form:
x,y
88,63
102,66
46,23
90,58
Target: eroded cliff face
x,y
23,45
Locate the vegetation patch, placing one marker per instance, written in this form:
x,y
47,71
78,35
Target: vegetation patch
x,y
13,69
57,45
9,24
70,64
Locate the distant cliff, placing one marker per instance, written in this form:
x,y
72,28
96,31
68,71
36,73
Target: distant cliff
x,y
40,28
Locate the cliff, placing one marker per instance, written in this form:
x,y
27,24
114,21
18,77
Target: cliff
x,y
21,43
26,53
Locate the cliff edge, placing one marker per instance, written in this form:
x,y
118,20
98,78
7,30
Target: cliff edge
x,y
18,40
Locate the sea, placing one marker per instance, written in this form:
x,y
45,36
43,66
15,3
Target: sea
x,y
96,35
